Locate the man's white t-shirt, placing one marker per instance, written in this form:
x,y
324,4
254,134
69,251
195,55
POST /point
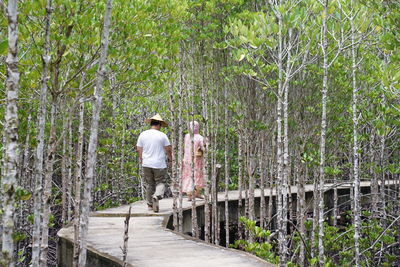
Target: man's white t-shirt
x,y
153,143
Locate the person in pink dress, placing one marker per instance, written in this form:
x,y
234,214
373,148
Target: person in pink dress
x,y
199,148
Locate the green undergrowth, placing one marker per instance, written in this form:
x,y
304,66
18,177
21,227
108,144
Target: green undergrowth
x,y
377,243
260,247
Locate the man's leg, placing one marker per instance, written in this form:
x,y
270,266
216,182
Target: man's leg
x,y
160,176
150,184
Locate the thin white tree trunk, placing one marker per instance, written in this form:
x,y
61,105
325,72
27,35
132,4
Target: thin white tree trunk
x,y
47,186
246,181
240,183
374,180
281,210
92,156
382,194
356,179
216,224
70,167
251,168
271,189
382,161
10,157
114,181
261,163
285,179
271,181
324,47
226,160
212,166
335,201
174,168
279,195
78,180
192,165
180,153
204,104
64,175
315,216
123,144
37,200
302,212
215,214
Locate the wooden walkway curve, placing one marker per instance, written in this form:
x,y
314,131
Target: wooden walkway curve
x,y
151,244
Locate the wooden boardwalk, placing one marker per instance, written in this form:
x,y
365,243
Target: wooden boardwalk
x,y
151,244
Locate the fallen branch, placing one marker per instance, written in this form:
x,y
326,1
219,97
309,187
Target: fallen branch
x,y
126,237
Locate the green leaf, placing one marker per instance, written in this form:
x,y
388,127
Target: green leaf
x,y
3,47
22,194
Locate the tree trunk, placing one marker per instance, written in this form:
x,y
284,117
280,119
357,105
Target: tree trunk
x,y
374,179
324,47
123,144
174,168
356,179
113,180
180,152
64,175
226,160
271,185
240,184
246,181
302,177
10,156
37,209
284,88
215,211
335,201
271,192
204,104
382,162
91,157
78,180
315,215
70,167
49,166
261,163
195,232
251,170
281,209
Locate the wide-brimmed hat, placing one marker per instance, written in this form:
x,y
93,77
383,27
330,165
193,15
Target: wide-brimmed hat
x,y
157,117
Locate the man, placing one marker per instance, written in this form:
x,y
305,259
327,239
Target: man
x,y
153,146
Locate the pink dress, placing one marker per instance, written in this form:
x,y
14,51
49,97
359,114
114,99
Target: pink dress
x,y
187,184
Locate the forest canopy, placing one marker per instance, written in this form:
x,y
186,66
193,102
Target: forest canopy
x,y
287,92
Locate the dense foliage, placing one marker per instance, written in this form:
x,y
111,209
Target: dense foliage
x,y
228,64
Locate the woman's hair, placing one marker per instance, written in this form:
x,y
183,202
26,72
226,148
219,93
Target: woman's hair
x,y
194,127
155,123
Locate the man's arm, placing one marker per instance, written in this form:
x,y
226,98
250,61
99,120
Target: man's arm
x,y
139,149
168,150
